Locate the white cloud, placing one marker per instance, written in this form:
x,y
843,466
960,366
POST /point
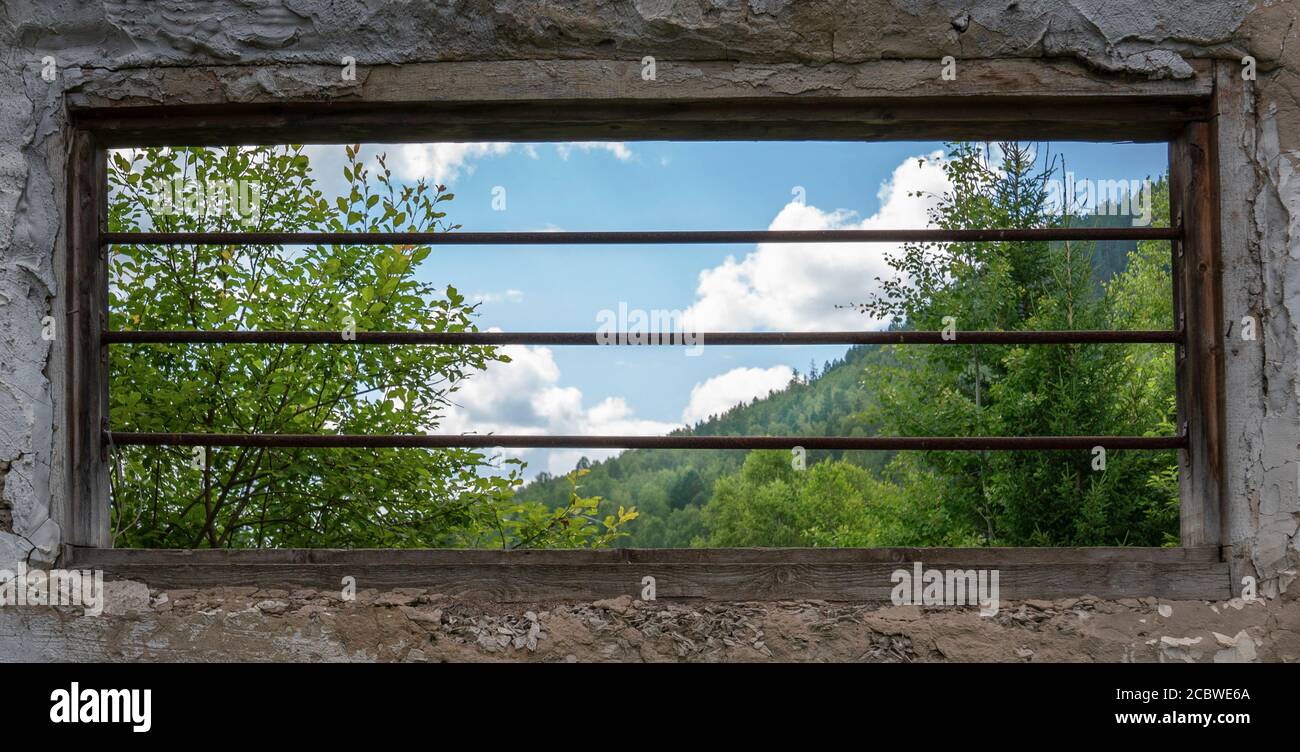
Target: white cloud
x,y
442,162
524,396
617,148
723,392
795,287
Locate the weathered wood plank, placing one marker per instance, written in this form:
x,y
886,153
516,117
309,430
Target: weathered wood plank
x,y
86,514
1242,296
939,117
420,557
627,79
713,575
722,582
1194,202
609,99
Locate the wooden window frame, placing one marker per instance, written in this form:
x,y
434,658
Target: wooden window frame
x,y
1196,569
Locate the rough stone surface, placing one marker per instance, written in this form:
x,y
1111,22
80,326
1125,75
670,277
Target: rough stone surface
x,y
241,50
418,626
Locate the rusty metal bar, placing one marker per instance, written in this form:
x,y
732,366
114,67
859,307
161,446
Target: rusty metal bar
x,y
646,338
924,443
639,237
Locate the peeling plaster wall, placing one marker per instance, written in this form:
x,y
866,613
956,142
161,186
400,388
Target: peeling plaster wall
x,y
417,626
246,50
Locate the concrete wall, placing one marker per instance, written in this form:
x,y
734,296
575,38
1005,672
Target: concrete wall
x,y
241,50
414,625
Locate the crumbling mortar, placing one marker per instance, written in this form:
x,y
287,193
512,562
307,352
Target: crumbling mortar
x,y
6,509
1120,64
1281,51
414,624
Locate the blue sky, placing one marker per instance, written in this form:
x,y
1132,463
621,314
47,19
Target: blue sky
x,y
669,186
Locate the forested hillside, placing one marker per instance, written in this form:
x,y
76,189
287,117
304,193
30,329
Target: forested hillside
x,y
669,487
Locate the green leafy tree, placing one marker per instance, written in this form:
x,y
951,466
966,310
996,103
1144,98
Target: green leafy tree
x,y
1026,498
689,490
264,497
576,524
830,504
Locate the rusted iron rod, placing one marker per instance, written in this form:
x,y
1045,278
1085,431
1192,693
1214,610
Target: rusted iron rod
x,y
639,237
644,338
964,443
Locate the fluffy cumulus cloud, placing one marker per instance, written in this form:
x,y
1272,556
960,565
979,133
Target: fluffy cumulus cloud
x,y
525,396
794,286
719,394
441,163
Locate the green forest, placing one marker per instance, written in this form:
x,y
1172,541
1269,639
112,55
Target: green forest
x,y
258,497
